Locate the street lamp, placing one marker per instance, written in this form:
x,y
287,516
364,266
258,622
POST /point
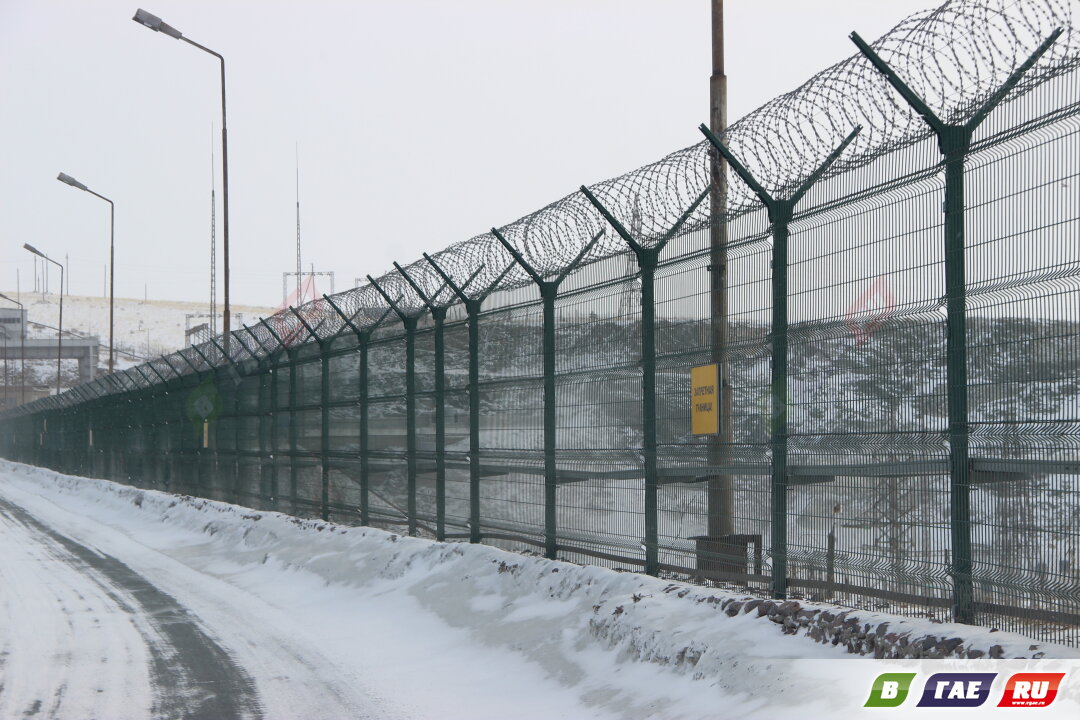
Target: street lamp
x,y
22,346
60,328
112,255
158,25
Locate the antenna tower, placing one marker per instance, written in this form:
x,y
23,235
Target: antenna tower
x,y
299,276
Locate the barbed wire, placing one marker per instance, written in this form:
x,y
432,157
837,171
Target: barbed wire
x,y
954,56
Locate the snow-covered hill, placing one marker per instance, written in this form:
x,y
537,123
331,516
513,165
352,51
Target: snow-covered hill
x,y
143,327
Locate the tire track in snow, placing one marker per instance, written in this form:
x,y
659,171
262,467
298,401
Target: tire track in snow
x,y
193,677
67,649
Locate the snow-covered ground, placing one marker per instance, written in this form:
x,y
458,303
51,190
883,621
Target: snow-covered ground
x,y
114,601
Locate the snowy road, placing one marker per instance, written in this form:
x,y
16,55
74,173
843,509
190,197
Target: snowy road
x,y
91,637
106,611
103,636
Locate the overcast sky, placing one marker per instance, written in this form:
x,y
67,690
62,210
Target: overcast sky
x,y
419,122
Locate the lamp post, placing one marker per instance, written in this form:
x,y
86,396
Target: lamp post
x,y
60,327
112,255
22,347
158,25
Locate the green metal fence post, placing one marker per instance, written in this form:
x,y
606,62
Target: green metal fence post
x,y
275,407
324,415
409,321
438,316
182,460
549,290
260,452
237,387
166,459
780,215
263,368
410,416
324,446
147,428
293,354
239,390
954,142
472,311
364,442
216,372
362,338
275,410
200,479
648,258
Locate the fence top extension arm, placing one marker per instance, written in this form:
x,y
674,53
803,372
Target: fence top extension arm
x,y
185,358
257,341
460,291
155,371
149,382
349,321
430,301
940,127
311,331
533,272
222,351
773,204
241,343
273,334
171,366
633,242
393,305
209,365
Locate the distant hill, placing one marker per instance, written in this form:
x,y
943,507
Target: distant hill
x,y
142,328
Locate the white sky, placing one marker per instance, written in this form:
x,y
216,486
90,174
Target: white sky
x,y
419,123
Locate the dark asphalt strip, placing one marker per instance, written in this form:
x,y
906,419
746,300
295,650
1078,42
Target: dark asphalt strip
x,y
193,677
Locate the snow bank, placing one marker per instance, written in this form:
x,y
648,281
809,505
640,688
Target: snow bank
x,y
605,633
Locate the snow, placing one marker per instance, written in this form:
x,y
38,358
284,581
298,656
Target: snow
x,y
332,621
135,321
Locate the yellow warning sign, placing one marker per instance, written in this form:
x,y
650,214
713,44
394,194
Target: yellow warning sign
x,y
705,400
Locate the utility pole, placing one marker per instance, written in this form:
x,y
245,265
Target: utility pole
x,y
213,239
299,276
721,490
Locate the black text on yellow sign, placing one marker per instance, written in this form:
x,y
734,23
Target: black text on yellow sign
x,y
705,400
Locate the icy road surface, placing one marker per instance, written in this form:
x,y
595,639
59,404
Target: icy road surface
x,y
87,636
108,613
103,637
